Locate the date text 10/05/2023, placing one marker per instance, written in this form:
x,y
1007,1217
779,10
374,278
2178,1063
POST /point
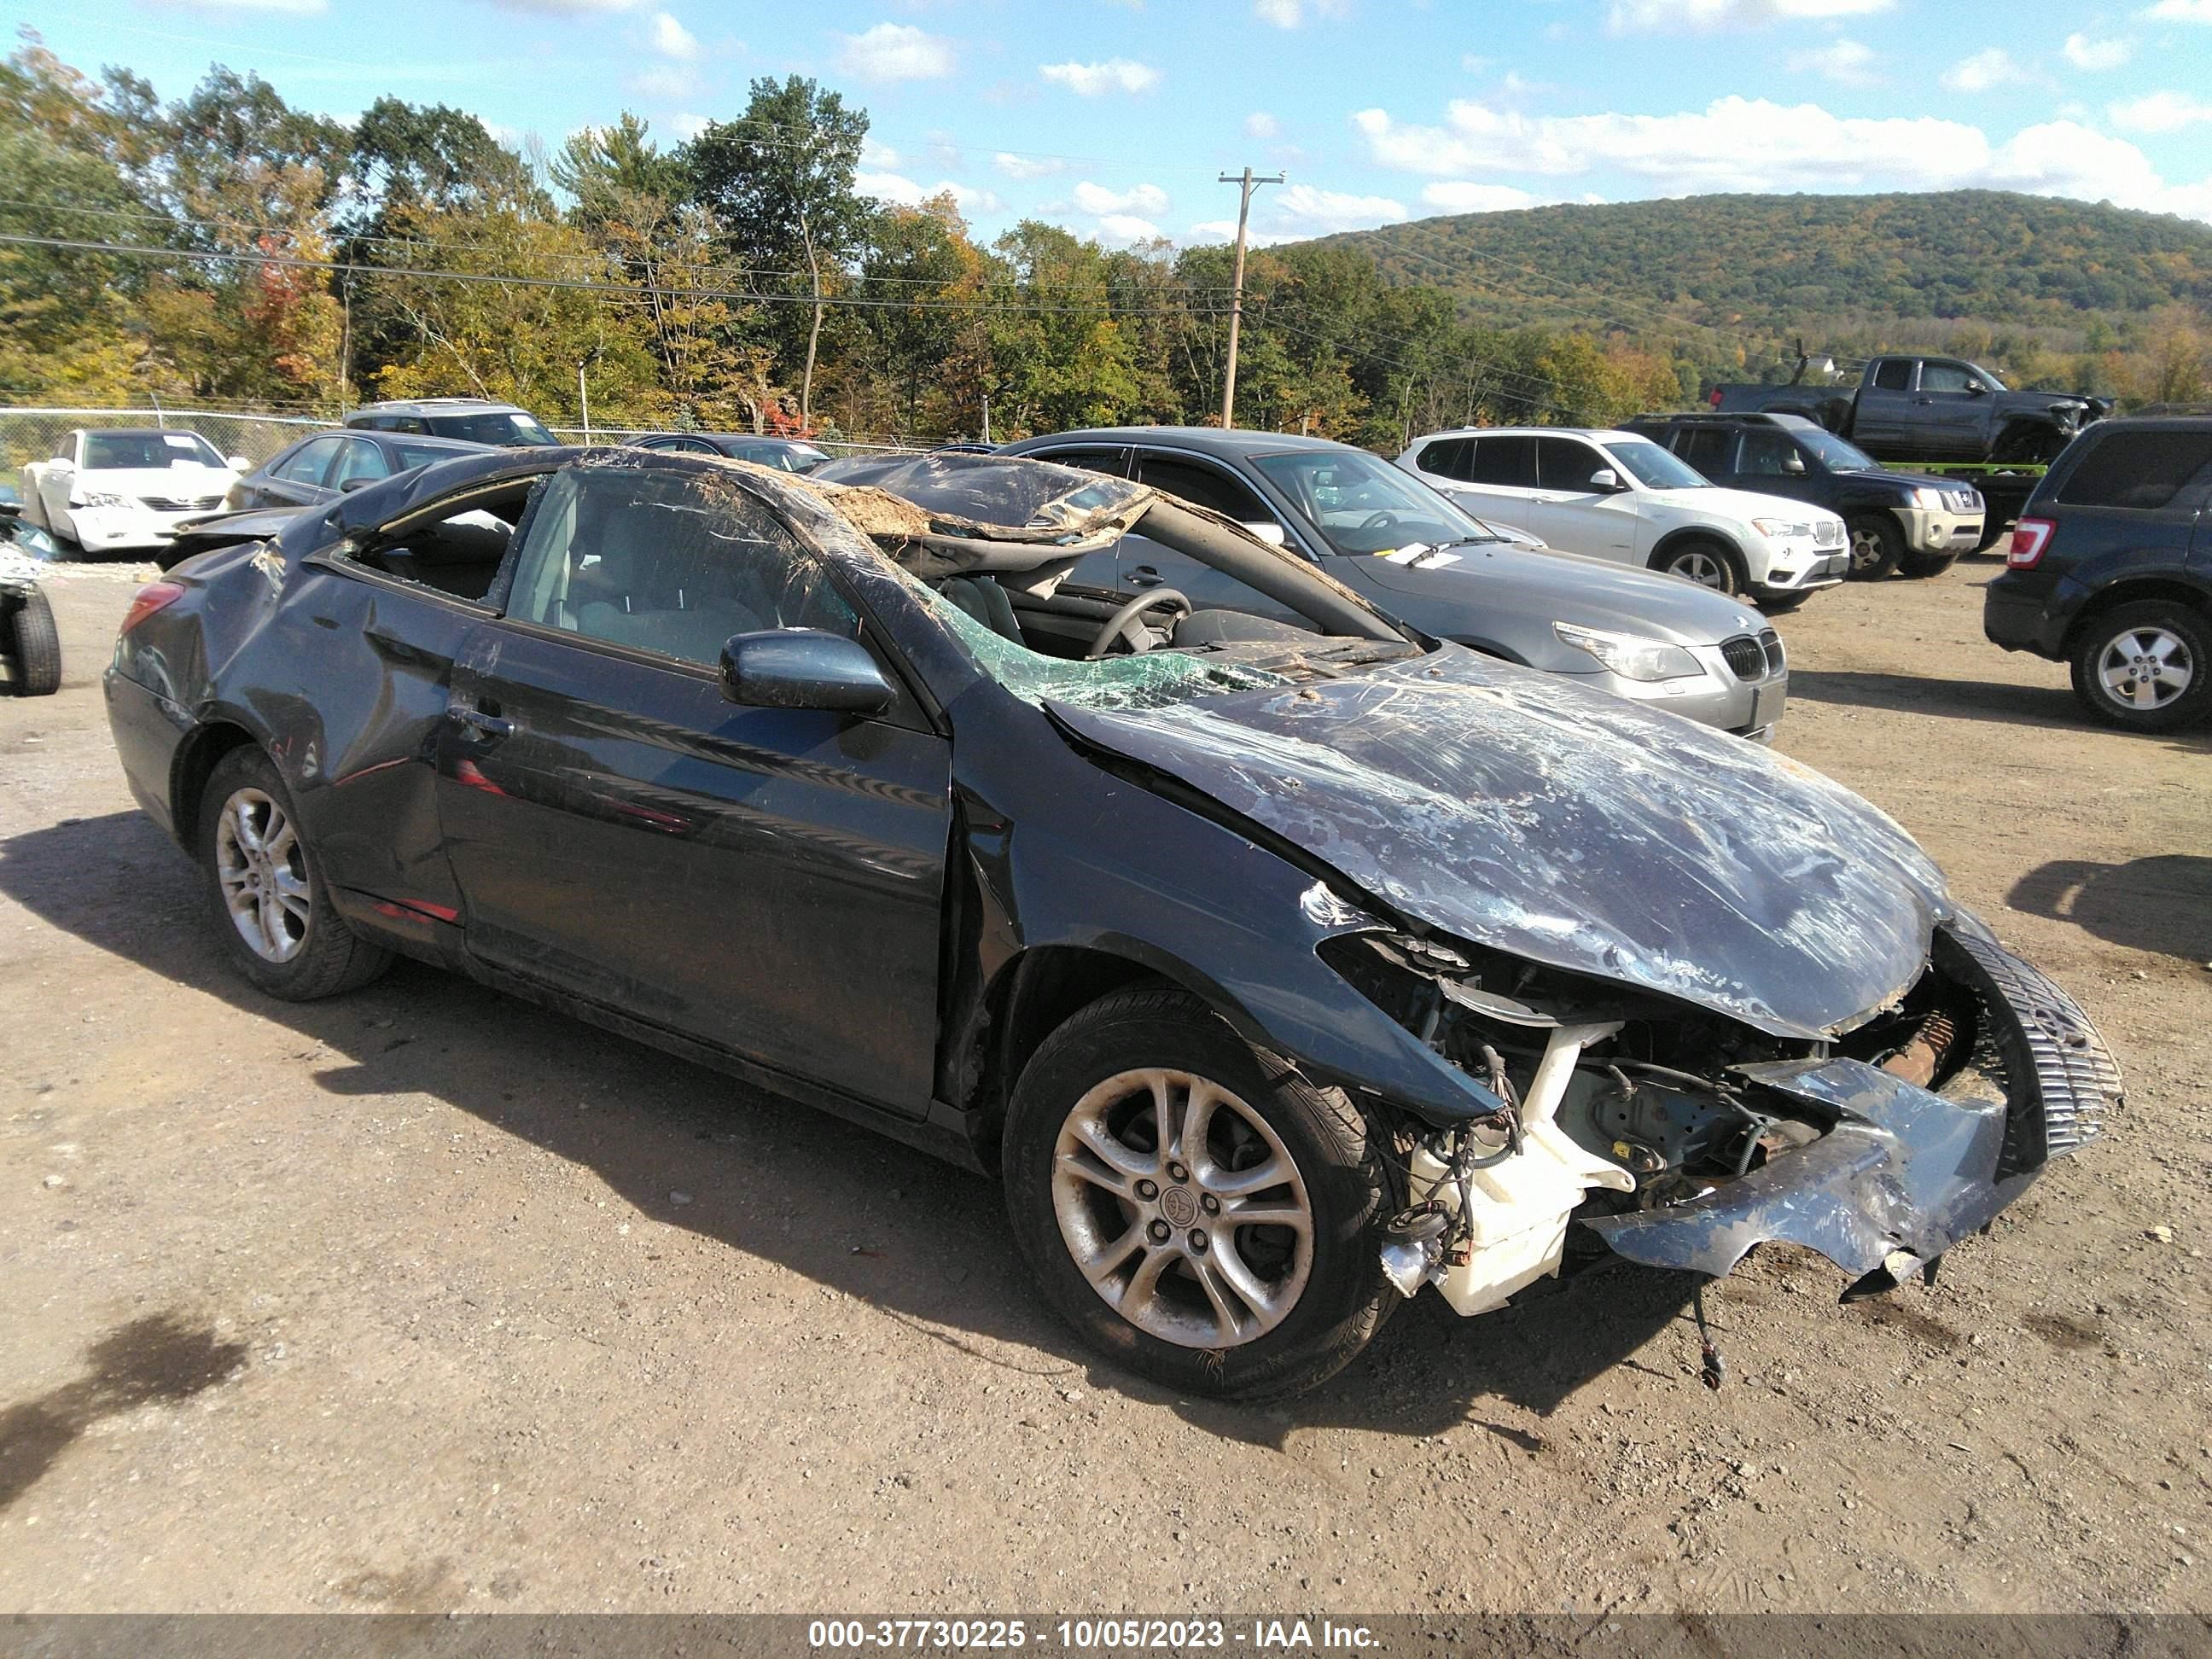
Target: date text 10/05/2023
x,y
1089,1635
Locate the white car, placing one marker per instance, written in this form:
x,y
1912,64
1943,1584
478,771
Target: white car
x,y
1615,495
126,489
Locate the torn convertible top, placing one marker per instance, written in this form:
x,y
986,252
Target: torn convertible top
x,y
944,514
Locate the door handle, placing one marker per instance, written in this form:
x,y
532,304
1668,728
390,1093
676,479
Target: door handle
x,y
1144,576
485,725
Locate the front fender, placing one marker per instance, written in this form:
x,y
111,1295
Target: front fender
x,y
1067,853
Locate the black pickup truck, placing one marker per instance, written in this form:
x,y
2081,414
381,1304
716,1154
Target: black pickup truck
x,y
1926,408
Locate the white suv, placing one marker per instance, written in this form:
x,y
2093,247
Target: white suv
x,y
1615,495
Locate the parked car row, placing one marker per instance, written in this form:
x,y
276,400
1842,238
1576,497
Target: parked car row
x,y
1277,967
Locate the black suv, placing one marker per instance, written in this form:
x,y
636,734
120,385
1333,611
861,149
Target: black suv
x,y
2110,571
1897,520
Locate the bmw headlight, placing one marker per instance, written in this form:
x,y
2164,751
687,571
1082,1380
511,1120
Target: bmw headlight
x,y
1630,655
1776,529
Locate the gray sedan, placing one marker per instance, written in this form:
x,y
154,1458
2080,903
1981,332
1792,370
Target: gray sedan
x,y
1409,552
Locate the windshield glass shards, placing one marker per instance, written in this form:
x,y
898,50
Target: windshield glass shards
x,y
1150,679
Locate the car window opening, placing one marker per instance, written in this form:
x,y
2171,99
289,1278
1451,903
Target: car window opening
x,y
458,552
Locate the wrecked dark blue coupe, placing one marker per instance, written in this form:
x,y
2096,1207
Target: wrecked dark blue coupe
x,y
1278,970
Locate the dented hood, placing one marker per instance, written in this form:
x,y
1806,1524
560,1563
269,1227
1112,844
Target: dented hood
x,y
1514,809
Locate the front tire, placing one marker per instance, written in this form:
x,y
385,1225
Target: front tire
x,y
1877,546
32,643
2146,666
1198,1211
1921,566
270,908
1705,562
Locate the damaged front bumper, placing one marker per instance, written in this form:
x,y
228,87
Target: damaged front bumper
x,y
1902,1174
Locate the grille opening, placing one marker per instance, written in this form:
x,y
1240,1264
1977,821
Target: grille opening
x,y
1746,657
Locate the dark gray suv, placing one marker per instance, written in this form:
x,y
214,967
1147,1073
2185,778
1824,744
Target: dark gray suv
x,y
1408,550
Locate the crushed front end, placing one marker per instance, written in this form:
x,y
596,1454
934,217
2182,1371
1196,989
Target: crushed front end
x,y
1682,1138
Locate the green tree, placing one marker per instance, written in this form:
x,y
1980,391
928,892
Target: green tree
x,y
779,180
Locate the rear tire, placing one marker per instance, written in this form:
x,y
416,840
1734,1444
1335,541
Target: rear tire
x,y
33,644
1877,546
269,906
1138,1246
2146,666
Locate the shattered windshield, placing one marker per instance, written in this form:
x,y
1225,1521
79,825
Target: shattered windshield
x,y
1150,679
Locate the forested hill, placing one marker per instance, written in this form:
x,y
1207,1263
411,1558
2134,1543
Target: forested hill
x,y
1779,265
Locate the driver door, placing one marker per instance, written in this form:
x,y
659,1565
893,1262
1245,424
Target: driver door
x,y
768,881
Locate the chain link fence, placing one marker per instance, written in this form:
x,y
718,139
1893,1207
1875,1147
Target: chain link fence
x,y
34,434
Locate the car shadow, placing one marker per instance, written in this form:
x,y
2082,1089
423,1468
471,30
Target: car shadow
x,y
2161,904
918,1241
2000,700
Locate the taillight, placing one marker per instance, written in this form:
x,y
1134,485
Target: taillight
x,y
2029,538
155,596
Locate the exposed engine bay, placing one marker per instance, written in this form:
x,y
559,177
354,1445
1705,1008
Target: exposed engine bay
x,y
1614,1104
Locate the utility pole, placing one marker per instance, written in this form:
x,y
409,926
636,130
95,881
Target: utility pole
x,y
1247,183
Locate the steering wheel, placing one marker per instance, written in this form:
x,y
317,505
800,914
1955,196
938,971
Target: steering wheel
x,y
1382,518
1122,625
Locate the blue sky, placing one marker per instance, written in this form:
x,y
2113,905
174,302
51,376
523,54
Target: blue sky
x,y
1114,116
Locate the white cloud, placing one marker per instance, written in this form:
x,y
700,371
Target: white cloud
x,y
672,40
666,81
1120,229
1138,198
1847,62
896,51
1260,124
687,126
1738,143
905,192
1459,196
1305,210
877,156
1114,74
2087,54
1027,166
1701,16
2182,11
1990,68
568,8
1292,14
2161,111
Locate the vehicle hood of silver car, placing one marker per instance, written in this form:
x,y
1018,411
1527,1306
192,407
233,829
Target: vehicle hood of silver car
x,y
1544,587
1576,830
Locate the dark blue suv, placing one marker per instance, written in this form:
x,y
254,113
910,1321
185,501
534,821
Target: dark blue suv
x,y
2110,571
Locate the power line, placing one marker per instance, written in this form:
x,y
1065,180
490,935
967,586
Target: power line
x,y
632,289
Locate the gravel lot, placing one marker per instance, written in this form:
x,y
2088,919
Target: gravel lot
x,y
424,1299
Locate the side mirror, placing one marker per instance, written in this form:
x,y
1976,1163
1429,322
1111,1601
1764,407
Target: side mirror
x,y
1606,480
1976,389
804,668
352,484
238,463
1793,463
1268,530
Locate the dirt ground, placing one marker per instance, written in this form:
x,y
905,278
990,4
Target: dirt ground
x,y
424,1299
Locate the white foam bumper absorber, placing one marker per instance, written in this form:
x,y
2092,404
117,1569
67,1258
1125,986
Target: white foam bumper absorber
x,y
1519,1208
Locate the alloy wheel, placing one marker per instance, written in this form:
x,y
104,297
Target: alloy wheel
x,y
1183,1208
263,872
2146,668
1703,567
1867,551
